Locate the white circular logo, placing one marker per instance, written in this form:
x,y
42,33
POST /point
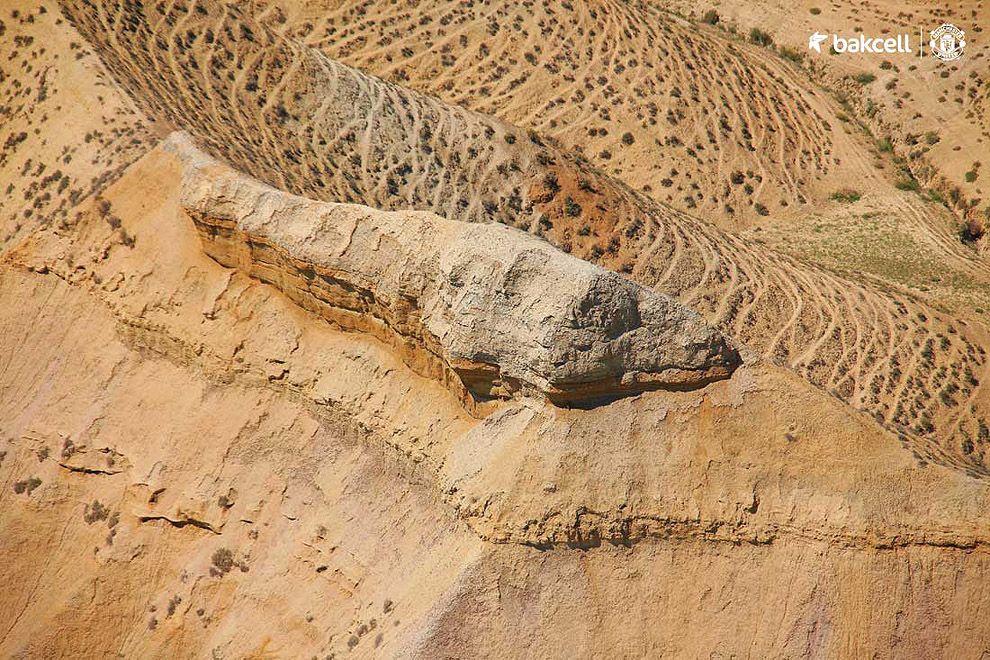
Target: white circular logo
x,y
947,42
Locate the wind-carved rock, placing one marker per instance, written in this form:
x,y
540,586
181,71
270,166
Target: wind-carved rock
x,y
490,311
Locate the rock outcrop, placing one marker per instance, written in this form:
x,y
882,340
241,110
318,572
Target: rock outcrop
x,y
487,309
288,488
329,132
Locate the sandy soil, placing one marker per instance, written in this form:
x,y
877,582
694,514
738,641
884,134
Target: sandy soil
x,y
196,461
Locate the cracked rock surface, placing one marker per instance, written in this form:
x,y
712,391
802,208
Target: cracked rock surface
x,y
501,310
232,433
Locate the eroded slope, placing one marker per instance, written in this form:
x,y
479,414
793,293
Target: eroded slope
x,y
935,114
287,488
293,118
670,105
677,110
484,308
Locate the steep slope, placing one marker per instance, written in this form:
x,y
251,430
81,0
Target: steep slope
x,y
669,107
295,119
647,96
929,117
207,469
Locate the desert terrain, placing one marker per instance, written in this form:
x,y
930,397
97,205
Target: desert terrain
x,y
488,329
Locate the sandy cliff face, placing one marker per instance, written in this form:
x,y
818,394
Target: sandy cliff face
x,y
217,470
207,448
331,132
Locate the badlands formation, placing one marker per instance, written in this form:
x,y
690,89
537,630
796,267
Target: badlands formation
x,y
460,329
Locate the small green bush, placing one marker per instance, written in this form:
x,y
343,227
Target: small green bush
x,y
571,207
759,37
846,195
223,562
793,54
27,485
907,184
94,512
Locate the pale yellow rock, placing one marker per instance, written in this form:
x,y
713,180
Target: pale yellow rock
x,y
341,502
195,464
503,311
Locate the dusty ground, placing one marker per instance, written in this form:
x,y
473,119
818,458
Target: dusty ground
x,y
192,464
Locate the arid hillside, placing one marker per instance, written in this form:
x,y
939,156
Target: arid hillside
x,y
929,119
688,115
936,116
880,211
708,114
482,329
195,464
329,131
66,129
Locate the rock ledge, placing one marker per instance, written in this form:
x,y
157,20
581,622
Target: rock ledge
x,y
489,310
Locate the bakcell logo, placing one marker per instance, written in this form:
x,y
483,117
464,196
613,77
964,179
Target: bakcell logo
x,y
815,41
862,43
946,43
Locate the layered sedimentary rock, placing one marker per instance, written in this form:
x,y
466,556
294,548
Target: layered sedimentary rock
x,y
281,487
487,309
294,118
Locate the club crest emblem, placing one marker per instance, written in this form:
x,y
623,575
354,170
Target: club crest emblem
x,y
947,42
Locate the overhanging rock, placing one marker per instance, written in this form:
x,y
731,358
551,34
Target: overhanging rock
x,y
489,310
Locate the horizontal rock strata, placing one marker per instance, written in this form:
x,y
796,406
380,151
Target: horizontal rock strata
x,y
490,311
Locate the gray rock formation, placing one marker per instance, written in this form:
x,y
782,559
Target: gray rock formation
x,y
489,310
